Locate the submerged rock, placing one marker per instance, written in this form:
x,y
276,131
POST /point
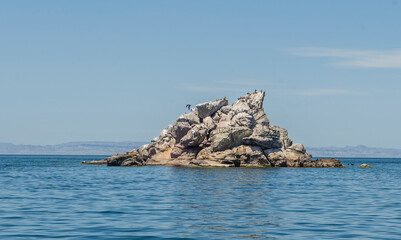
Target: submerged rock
x,y
216,134
95,162
364,165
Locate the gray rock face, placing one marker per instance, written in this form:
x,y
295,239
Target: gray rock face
x,y
228,137
263,142
216,134
191,118
195,136
180,129
208,108
244,119
133,159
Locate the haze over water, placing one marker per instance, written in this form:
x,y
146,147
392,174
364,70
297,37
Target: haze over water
x,y
45,197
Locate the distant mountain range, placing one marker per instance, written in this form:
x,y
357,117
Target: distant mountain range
x,y
71,148
354,151
110,148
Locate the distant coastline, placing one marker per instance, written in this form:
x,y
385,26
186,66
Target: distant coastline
x,y
355,151
109,148
71,148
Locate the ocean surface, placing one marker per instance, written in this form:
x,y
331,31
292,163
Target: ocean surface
x,y
56,197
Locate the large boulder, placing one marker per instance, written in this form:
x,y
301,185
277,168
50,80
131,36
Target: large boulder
x,y
276,157
180,129
183,124
298,147
228,137
244,119
191,117
295,158
208,108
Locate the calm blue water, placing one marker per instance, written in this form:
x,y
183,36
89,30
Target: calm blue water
x,y
44,197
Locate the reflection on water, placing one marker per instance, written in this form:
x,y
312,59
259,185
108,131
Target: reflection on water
x,y
44,197
234,200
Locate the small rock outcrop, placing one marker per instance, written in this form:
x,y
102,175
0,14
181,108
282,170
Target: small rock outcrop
x,y
364,165
216,134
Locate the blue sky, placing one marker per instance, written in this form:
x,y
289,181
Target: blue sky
x,y
124,70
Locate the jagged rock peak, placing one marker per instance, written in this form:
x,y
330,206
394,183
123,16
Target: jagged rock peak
x,y
216,134
252,101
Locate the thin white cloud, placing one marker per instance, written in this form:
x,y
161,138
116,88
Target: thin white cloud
x,y
210,88
353,57
326,92
249,82
240,85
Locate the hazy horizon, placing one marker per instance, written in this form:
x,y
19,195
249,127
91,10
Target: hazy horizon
x,y
122,71
111,148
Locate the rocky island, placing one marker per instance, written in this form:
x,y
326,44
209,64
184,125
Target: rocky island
x,y
219,135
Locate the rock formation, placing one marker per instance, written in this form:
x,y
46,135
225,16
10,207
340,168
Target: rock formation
x,y
216,134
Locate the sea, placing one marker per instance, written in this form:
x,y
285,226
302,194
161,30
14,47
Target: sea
x,y
57,197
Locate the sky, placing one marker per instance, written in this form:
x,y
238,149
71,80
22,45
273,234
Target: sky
x,y
124,70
